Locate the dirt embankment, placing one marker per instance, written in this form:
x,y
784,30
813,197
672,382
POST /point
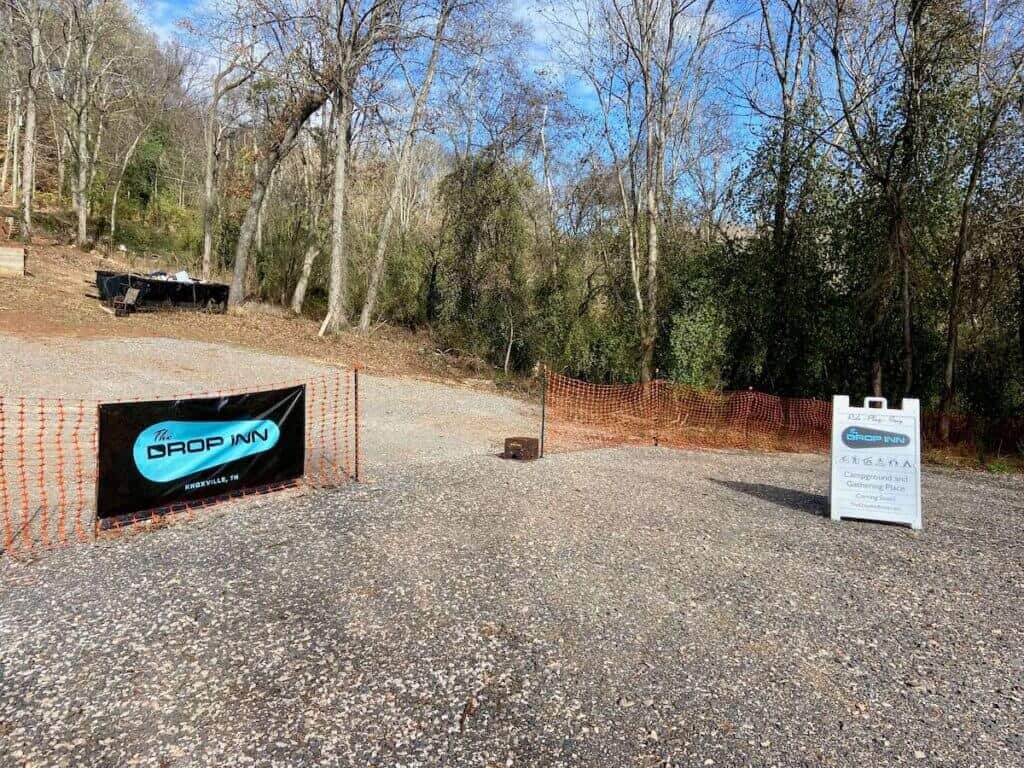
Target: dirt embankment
x,y
56,299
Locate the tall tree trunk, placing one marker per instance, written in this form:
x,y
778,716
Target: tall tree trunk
x,y
252,282
82,181
952,337
113,208
8,141
775,364
28,155
28,158
117,185
908,335
299,296
960,253
875,344
259,224
508,347
337,299
85,27
549,188
953,318
211,140
315,201
904,182
782,181
370,304
15,149
630,216
259,218
650,331
94,161
60,147
209,181
246,233
278,148
1020,294
898,258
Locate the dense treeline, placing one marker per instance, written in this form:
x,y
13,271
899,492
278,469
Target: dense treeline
x,y
800,196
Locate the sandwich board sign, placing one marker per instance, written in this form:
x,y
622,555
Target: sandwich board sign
x,y
876,461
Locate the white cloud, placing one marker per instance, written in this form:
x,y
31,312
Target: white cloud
x,y
541,53
161,16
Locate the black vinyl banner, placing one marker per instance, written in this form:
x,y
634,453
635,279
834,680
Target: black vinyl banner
x,y
165,452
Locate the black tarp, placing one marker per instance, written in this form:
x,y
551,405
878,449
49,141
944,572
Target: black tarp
x,y
154,291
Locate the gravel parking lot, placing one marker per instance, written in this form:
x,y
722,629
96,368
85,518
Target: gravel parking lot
x,y
626,607
405,421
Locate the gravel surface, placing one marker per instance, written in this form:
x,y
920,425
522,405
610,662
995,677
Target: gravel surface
x,y
405,421
619,607
630,607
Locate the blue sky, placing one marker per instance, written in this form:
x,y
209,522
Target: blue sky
x,y
161,16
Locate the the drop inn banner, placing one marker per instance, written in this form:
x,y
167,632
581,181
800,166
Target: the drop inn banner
x,y
157,454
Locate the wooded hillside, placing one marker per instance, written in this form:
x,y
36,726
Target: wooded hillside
x,y
800,196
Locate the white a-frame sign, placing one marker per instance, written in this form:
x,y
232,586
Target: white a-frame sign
x,y
876,461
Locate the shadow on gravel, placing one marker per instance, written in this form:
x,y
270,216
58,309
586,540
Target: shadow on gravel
x,y
812,503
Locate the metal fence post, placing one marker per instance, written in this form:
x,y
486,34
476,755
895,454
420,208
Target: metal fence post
x,y
543,405
355,399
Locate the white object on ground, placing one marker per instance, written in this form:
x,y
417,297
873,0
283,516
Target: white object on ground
x,y
12,261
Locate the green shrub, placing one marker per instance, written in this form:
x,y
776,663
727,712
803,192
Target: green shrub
x,y
698,348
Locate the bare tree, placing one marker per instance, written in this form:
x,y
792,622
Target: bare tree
x,y
85,19
786,42
30,15
233,74
359,28
648,64
444,12
313,161
283,133
865,41
15,148
998,79
86,85
295,68
9,82
316,163
337,301
8,141
153,92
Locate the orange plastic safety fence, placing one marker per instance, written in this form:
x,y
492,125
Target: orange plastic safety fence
x,y
584,415
48,466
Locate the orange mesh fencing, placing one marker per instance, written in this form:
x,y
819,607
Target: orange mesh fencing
x,y
48,463
582,415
